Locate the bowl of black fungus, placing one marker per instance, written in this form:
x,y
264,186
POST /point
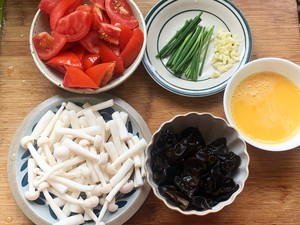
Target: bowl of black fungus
x,y
197,163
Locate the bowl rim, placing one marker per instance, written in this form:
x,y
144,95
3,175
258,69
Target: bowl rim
x,y
224,203
232,84
17,194
114,83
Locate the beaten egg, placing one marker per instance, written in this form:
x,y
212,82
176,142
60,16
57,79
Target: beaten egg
x,y
265,107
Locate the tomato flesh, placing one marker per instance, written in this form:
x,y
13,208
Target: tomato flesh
x,y
119,11
48,46
91,42
107,55
125,35
75,77
60,10
109,33
74,26
133,47
61,60
47,6
90,60
101,73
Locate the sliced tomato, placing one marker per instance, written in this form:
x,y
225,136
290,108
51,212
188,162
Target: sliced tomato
x,y
107,55
79,51
125,35
119,11
98,3
47,5
90,59
91,42
133,47
75,77
99,16
61,60
47,45
85,7
101,73
74,26
62,6
109,33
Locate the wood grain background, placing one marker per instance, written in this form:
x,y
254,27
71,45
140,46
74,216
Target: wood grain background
x,y
272,192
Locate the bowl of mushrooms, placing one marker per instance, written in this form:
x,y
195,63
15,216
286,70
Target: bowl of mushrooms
x,y
79,160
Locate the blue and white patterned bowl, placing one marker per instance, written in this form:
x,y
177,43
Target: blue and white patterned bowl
x,y
38,211
166,17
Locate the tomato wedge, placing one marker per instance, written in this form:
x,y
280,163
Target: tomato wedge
x,y
99,16
47,6
119,11
62,6
125,35
109,33
102,73
107,55
75,77
47,45
61,60
85,7
79,51
90,60
75,25
133,47
91,42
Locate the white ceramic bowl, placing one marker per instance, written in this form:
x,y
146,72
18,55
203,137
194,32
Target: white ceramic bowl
x,y
211,128
41,23
39,211
167,17
284,67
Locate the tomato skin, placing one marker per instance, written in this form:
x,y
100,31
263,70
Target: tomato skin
x,y
101,73
91,42
47,6
125,35
109,33
61,60
75,77
120,11
60,10
85,7
99,16
80,52
90,59
133,47
107,55
47,46
75,25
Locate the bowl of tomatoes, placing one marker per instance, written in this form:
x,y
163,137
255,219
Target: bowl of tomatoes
x,y
90,46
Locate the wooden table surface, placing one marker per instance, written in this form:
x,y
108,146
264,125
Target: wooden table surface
x,y
272,191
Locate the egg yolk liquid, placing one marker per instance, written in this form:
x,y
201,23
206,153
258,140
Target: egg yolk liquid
x,y
266,107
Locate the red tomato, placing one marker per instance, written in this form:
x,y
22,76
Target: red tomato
x,y
85,7
99,16
119,11
98,3
125,35
132,49
101,73
79,51
61,60
47,5
60,10
91,42
107,55
109,33
47,45
75,77
90,60
74,26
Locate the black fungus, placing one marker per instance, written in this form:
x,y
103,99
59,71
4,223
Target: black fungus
x,y
191,174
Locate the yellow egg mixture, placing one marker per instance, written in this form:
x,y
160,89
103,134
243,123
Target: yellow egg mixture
x,y
266,107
